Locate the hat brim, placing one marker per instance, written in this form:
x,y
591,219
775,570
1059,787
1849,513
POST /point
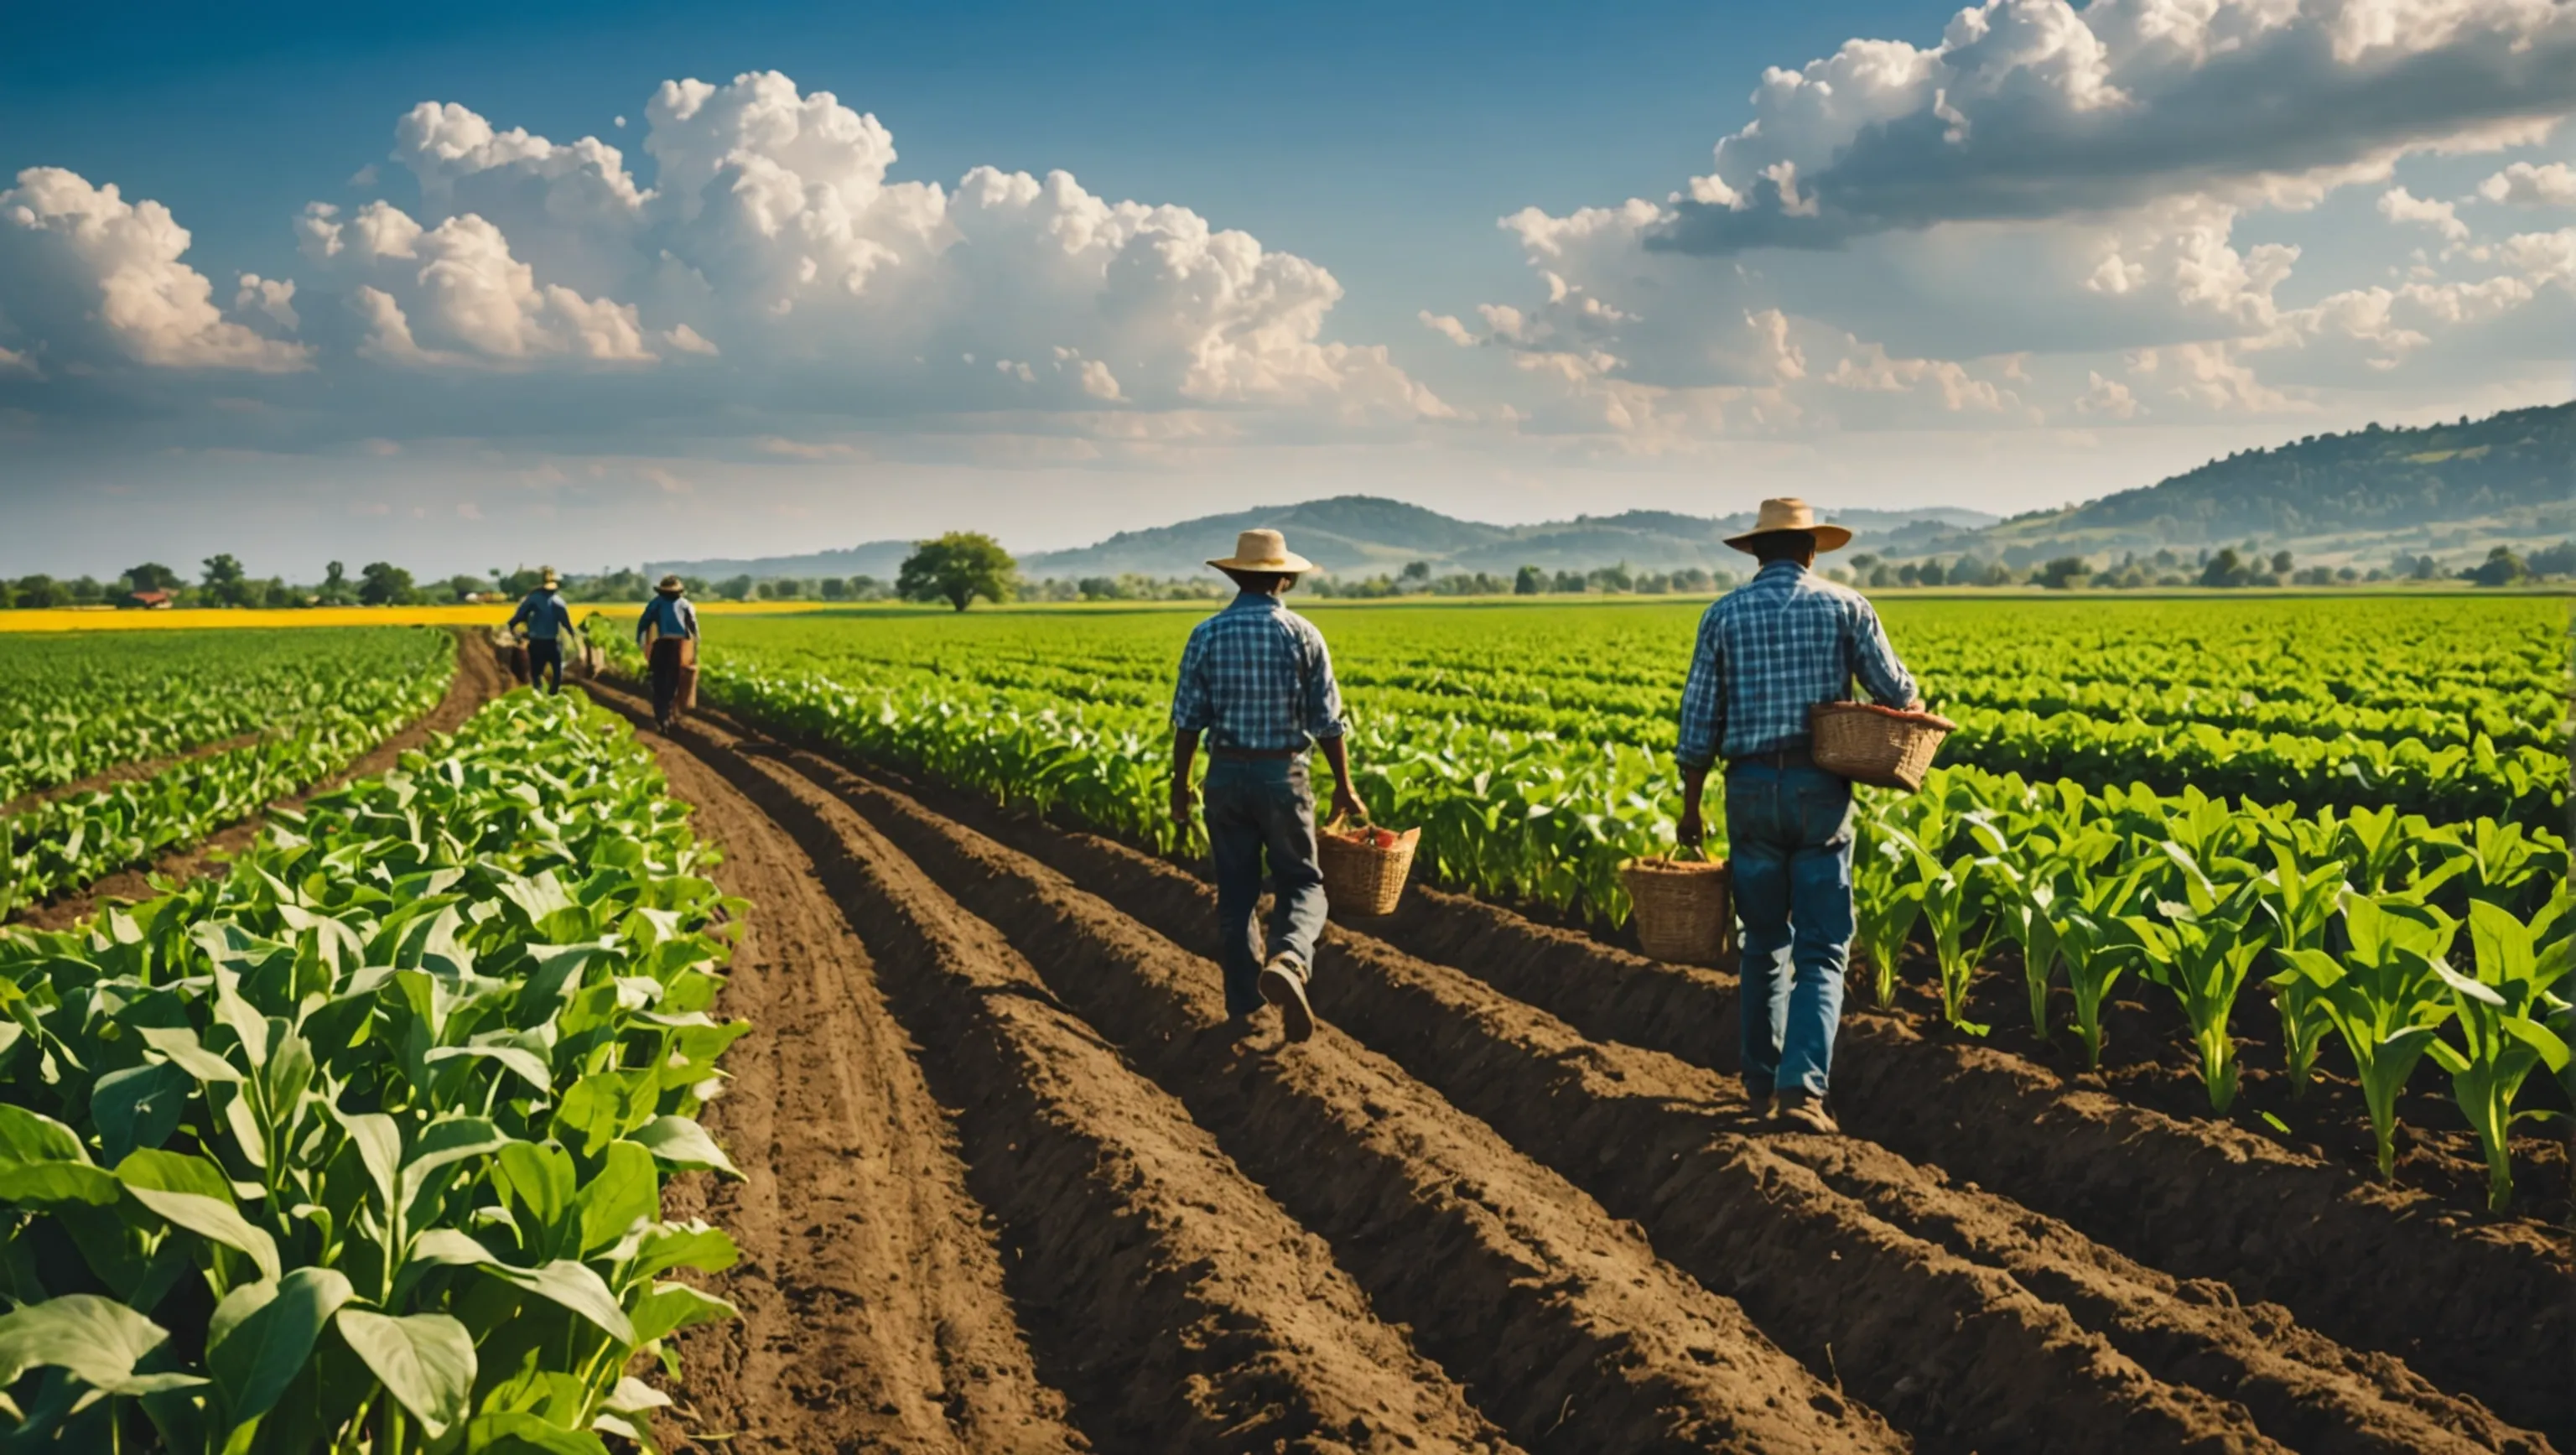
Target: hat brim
x,y
1290,564
670,588
1828,537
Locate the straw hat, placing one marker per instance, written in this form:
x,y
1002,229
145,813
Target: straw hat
x,y
547,578
1791,513
1264,550
670,586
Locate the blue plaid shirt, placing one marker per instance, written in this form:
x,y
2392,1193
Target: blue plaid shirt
x,y
1256,676
1772,648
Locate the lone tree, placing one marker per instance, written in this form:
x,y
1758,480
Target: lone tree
x,y
957,568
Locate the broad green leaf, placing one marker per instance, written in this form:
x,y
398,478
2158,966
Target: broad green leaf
x,y
680,1142
515,1432
573,1287
626,1190
139,1106
98,1341
425,1360
180,1045
27,1136
674,1306
519,1061
193,1193
604,1106
257,1351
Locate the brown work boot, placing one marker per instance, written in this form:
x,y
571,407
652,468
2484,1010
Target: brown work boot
x,y
1283,984
1803,1113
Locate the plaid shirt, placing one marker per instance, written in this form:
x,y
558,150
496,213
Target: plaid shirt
x,y
1772,648
1256,676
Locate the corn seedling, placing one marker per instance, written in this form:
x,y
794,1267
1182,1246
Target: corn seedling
x,y
2501,1037
2384,998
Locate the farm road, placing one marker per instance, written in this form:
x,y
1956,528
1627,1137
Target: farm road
x,y
1013,1186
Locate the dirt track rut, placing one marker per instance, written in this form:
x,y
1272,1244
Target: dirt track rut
x,y
1451,1221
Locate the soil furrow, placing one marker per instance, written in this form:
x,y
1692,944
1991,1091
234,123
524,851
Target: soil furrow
x,y
2480,1308
479,678
1800,1229
1177,1306
871,1290
1574,1335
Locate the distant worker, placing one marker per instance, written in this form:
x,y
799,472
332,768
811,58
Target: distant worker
x,y
668,633
1257,681
546,619
1767,652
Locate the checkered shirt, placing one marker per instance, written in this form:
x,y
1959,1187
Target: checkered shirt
x,y
1772,648
1256,676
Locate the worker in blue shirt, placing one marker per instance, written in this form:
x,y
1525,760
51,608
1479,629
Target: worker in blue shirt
x,y
668,633
1768,651
1257,683
545,618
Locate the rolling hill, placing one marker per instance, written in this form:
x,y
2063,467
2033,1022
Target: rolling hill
x,y
2356,496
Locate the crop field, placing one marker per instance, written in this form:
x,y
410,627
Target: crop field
x,y
2203,1073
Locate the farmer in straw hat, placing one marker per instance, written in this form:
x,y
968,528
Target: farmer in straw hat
x,y
668,633
1767,652
546,619
1257,681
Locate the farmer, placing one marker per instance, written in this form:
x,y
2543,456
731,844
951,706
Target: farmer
x,y
546,619
1257,681
668,633
1769,650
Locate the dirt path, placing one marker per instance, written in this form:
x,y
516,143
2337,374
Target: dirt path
x,y
479,678
1488,1206
870,1286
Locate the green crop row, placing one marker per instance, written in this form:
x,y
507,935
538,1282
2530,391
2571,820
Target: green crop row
x,y
360,1145
66,842
2353,923
2089,883
80,703
2449,709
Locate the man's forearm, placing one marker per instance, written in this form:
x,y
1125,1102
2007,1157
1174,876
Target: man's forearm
x,y
1185,751
1337,751
1694,784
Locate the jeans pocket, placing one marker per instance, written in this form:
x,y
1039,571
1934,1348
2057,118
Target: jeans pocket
x,y
1825,811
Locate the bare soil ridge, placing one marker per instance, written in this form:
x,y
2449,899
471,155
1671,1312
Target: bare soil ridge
x,y
1517,1156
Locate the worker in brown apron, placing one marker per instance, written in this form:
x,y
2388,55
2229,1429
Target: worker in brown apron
x,y
668,633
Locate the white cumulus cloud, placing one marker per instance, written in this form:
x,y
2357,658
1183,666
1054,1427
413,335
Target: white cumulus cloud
x,y
86,270
2524,184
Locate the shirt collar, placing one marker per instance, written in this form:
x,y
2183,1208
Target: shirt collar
x,y
1780,568
1253,601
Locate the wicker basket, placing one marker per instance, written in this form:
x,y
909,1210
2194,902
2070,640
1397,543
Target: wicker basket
x,y
1681,908
1877,745
1363,877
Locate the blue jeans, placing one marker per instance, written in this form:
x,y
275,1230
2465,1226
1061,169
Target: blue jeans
x,y
1258,806
1789,834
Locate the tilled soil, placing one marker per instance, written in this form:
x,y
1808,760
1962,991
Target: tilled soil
x,y
479,678
1508,1196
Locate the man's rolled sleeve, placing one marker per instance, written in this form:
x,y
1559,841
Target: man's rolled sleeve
x,y
1875,660
1703,700
1191,711
1324,697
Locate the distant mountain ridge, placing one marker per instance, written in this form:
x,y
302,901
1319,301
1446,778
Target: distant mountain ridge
x,y
2517,466
1362,535
2510,477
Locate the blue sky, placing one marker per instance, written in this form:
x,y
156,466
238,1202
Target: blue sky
x,y
2010,256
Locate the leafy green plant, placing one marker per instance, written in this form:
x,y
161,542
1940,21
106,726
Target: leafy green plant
x,y
2385,999
1887,901
2299,900
2202,950
1951,910
373,1127
2502,1036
